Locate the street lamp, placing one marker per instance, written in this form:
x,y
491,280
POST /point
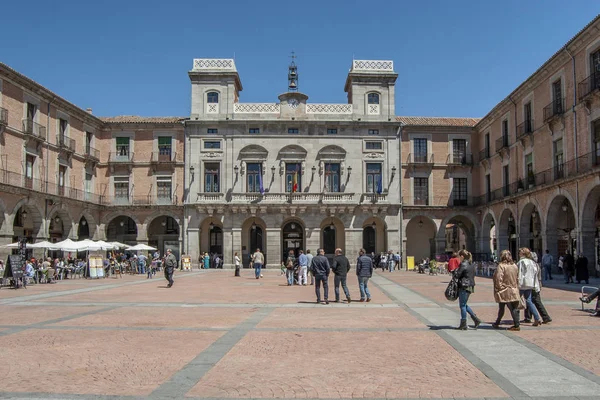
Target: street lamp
x,y
331,226
565,206
24,214
420,223
211,226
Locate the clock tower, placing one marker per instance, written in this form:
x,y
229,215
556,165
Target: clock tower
x,y
293,103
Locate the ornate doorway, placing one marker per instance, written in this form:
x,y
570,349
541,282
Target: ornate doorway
x,y
293,238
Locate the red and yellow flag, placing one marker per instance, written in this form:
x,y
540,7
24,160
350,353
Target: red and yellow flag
x,y
295,182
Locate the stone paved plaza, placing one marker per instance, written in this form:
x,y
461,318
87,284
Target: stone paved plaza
x,y
216,336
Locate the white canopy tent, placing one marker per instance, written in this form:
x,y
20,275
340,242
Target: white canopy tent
x,y
141,247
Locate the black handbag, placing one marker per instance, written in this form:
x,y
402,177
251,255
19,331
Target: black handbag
x,y
451,292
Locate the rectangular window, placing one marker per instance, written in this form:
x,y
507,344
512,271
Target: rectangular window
x,y
505,133
212,131
596,139
211,178
506,178
121,187
595,70
530,177
373,132
421,191
374,145
374,183
164,147
527,115
488,187
163,189
293,177
332,131
62,126
29,162
62,172
88,183
293,130
559,166
123,147
487,145
420,150
253,177
557,96
459,191
332,177
88,142
31,109
459,151
254,130
212,144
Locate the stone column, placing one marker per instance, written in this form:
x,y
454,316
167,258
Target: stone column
x,y
550,240
312,239
588,248
236,240
192,247
273,253
353,243
440,245
227,248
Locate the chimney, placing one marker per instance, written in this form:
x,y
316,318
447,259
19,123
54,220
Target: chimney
x,y
89,110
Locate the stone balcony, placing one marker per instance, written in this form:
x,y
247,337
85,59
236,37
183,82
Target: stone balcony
x,y
292,198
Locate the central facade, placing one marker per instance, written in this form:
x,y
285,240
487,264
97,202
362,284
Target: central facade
x,y
291,174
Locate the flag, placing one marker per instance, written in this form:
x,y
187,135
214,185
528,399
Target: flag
x,y
379,189
261,188
295,182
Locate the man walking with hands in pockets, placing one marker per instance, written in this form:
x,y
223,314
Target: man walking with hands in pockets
x,y
364,271
341,267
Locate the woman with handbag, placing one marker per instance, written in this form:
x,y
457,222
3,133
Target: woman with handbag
x,y
506,290
527,275
465,276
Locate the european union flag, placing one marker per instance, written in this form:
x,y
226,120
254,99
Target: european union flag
x,y
379,188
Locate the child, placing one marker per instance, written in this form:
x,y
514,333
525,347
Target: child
x,y
283,268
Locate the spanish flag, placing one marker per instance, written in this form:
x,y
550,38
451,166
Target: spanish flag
x,y
295,182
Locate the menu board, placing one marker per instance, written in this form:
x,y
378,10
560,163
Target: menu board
x,y
96,266
186,263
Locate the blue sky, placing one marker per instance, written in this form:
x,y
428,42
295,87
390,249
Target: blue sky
x,y
454,58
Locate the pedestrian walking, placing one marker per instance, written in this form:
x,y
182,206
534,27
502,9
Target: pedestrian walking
x,y
309,258
364,271
536,295
321,269
547,261
527,278
568,267
465,275
258,259
237,261
506,290
170,264
289,265
340,268
302,268
453,263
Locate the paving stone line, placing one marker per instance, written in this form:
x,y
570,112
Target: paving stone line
x,y
42,325
187,377
203,305
496,354
41,296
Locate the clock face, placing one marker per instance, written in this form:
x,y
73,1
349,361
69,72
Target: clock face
x,y
293,103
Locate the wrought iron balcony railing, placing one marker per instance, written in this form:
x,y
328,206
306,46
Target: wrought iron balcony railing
x,y
554,109
588,85
502,143
122,157
65,142
420,158
34,129
484,154
459,159
525,128
163,157
3,116
92,153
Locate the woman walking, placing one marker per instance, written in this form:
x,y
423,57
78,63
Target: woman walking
x,y
237,264
466,285
506,290
527,278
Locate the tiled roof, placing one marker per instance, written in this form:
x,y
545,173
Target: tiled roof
x,y
438,121
136,119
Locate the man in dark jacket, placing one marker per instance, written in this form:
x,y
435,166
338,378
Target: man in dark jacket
x,y
364,270
170,264
320,269
341,267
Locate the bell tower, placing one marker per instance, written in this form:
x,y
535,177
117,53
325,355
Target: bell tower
x,y
293,75
293,103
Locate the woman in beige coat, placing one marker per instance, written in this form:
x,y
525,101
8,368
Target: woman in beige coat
x,y
506,290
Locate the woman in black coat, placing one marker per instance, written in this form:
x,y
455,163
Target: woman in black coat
x,y
465,275
581,269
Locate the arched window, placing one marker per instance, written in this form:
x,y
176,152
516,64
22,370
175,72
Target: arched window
x,y
212,97
373,98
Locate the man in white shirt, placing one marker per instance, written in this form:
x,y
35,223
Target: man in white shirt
x,y
258,259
